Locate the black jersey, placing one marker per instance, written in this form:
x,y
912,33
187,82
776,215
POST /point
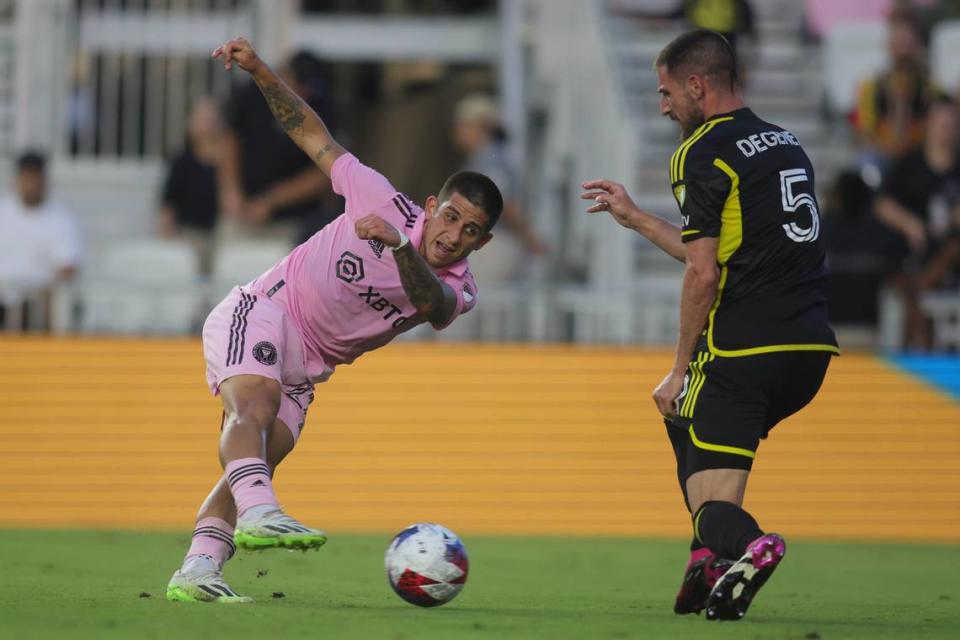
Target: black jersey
x,y
750,184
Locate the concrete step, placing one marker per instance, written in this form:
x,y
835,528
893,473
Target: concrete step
x,y
769,53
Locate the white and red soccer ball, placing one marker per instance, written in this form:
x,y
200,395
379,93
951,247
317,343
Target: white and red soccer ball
x,y
427,564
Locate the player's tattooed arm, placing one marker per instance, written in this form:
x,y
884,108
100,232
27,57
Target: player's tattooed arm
x,y
298,120
295,116
287,107
432,297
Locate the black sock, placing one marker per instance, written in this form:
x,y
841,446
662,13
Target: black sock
x,y
725,528
695,544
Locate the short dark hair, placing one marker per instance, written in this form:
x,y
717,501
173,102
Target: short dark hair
x,y
703,52
32,160
480,190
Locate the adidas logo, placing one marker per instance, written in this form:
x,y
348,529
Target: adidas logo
x,y
259,483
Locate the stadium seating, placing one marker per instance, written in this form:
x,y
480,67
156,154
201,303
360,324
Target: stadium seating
x,y
851,53
944,65
240,262
943,308
150,286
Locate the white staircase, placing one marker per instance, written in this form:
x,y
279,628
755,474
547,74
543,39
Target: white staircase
x,y
784,87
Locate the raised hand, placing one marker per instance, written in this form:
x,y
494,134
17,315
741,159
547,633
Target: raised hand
x,y
613,197
373,227
239,51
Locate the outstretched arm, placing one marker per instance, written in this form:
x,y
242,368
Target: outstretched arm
x,y
432,297
296,118
613,197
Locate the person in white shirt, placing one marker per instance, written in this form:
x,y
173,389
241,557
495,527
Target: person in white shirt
x,y
39,245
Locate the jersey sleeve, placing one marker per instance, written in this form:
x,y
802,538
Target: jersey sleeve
x,y
701,195
367,191
465,288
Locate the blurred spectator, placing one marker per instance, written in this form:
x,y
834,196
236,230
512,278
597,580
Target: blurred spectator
x,y
858,252
731,18
919,201
189,203
268,186
824,15
39,245
734,19
891,107
478,136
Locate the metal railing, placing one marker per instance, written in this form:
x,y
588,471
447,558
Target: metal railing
x,y
138,66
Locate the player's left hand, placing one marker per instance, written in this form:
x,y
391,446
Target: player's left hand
x,y
613,197
373,227
665,395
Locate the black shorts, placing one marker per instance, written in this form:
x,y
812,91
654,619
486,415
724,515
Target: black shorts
x,y
729,404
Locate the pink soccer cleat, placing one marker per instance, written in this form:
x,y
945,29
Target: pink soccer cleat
x,y
734,591
703,570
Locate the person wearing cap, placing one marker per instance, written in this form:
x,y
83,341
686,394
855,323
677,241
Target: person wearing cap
x,y
479,137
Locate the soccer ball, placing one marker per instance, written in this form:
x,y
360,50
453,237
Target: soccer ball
x,y
426,564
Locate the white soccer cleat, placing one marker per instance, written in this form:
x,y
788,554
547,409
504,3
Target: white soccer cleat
x,y
202,582
276,529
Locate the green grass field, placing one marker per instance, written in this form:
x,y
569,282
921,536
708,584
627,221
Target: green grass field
x,y
89,585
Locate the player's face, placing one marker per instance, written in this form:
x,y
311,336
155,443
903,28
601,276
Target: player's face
x,y
452,230
680,101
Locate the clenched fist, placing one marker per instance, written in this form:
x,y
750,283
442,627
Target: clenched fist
x,y
373,227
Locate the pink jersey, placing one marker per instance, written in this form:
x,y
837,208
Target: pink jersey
x,y
343,293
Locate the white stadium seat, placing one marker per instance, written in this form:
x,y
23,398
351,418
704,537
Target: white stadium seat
x,y
944,62
240,262
852,53
143,286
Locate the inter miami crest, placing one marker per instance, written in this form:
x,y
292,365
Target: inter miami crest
x,y
265,353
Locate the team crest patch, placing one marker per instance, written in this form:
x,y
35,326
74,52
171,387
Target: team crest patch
x,y
680,191
377,247
265,353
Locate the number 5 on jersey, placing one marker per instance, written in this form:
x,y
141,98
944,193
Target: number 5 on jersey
x,y
793,201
